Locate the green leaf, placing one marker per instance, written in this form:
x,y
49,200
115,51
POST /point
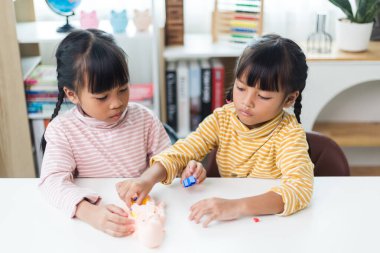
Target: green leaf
x,y
367,10
345,6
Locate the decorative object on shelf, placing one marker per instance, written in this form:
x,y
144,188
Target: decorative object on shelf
x,y
376,27
319,41
354,31
237,21
174,27
142,20
89,20
64,8
119,21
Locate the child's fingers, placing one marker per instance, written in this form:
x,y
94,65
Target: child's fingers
x,y
198,170
141,197
210,218
119,230
202,177
117,210
129,195
188,171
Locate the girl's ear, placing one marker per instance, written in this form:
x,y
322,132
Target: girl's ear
x,y
291,99
71,95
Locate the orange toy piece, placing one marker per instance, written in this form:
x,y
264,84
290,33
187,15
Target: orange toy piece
x,y
145,200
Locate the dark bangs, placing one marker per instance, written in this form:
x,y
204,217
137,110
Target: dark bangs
x,y
265,64
104,67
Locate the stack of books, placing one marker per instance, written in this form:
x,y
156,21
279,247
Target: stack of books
x,y
41,91
193,90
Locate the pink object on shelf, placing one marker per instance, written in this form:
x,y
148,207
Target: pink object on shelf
x,y
150,220
89,20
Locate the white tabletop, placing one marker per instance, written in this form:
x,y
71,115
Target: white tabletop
x,y
343,217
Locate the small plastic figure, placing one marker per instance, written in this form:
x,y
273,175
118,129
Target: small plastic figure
x,y
89,20
119,21
150,220
187,182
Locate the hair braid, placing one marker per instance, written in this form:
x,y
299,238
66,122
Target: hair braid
x,y
61,96
298,107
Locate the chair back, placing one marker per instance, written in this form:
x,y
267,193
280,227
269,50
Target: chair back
x,y
327,156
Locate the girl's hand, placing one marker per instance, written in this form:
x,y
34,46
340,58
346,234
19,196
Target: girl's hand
x,y
110,219
214,209
195,169
132,188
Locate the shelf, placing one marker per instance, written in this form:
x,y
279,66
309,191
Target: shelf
x,y
28,64
365,171
45,31
349,134
198,46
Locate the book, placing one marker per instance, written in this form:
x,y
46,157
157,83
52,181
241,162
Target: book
x,y
206,88
142,94
217,73
171,95
183,99
195,94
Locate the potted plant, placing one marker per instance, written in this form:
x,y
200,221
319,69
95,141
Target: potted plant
x,y
354,31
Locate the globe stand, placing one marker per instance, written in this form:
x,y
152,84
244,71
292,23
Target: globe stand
x,y
67,27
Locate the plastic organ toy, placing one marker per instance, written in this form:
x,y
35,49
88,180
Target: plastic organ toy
x,y
150,220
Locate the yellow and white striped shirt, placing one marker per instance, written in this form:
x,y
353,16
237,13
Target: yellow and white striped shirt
x,y
277,149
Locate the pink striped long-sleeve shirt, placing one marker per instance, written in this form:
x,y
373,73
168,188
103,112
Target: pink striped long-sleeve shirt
x,y
85,147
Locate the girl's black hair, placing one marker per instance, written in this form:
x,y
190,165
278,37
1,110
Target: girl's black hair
x,y
275,63
88,58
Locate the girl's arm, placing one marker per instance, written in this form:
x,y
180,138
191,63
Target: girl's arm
x,y
297,170
57,180
195,147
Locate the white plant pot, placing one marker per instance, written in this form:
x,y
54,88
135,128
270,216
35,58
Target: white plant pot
x,y
353,37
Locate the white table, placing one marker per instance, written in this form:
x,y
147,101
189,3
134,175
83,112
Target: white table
x,y
343,217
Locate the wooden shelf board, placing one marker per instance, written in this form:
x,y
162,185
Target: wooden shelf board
x,y
365,171
349,134
200,45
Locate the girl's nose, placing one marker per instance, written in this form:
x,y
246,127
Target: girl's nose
x,y
249,101
116,103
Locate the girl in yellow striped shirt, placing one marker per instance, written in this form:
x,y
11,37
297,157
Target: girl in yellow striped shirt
x,y
254,137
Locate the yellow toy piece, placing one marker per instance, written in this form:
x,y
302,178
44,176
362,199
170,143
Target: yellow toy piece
x,y
145,200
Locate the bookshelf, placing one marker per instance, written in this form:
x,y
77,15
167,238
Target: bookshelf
x,y
16,158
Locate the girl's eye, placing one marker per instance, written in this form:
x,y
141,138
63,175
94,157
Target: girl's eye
x,y
102,98
123,90
265,98
239,88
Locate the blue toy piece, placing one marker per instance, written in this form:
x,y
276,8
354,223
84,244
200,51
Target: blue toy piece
x,y
187,182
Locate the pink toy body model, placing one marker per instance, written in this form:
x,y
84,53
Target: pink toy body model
x,y
150,220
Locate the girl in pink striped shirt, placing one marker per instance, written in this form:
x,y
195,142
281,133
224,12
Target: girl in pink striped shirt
x,y
102,136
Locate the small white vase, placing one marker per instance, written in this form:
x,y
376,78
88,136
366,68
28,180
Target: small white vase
x,y
353,37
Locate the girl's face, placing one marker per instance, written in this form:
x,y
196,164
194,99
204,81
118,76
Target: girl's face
x,y
107,106
254,107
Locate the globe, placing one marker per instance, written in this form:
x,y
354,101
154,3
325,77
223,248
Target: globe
x,y
64,8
